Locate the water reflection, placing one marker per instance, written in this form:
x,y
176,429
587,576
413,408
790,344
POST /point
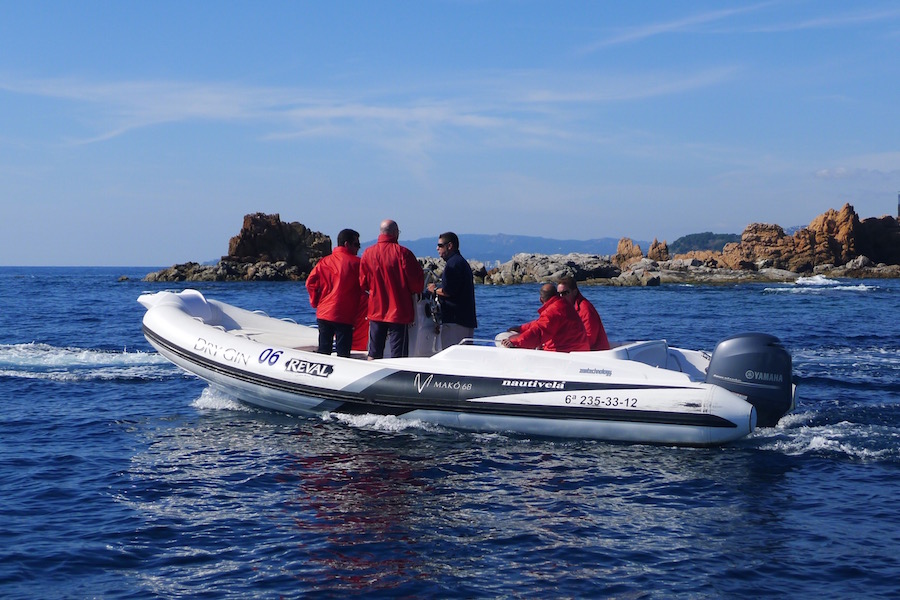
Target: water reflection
x,y
352,511
341,508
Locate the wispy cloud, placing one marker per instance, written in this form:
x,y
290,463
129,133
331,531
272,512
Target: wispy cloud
x,y
528,106
694,23
623,88
684,24
124,106
831,22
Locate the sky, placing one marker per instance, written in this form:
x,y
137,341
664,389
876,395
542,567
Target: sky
x,y
141,133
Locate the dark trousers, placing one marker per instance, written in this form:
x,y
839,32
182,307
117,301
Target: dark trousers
x,y
394,335
338,334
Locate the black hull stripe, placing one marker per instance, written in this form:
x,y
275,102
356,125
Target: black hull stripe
x,y
382,397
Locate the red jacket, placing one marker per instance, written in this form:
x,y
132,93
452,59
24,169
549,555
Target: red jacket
x,y
391,274
361,328
557,329
333,287
593,326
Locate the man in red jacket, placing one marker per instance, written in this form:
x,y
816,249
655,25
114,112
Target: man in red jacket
x,y
392,275
593,326
333,286
557,329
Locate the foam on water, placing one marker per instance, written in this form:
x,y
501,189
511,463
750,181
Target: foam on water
x,y
843,439
816,280
802,433
871,359
214,399
72,364
387,423
818,284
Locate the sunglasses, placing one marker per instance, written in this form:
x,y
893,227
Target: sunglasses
x,y
441,245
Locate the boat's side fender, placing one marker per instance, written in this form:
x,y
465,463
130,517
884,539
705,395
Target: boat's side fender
x,y
190,301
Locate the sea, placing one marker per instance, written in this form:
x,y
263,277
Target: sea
x,y
123,477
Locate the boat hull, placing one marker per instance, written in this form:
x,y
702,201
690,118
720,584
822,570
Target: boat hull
x,y
591,395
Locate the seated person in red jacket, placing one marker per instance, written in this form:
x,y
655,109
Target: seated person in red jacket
x,y
593,326
334,291
557,329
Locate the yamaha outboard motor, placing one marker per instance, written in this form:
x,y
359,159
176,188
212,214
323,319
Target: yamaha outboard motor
x,y
757,366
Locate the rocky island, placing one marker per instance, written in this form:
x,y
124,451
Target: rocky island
x,y
835,244
265,249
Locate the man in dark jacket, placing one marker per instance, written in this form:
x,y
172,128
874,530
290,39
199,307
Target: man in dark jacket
x,y
392,275
557,329
456,294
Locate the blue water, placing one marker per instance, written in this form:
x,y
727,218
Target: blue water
x,y
121,477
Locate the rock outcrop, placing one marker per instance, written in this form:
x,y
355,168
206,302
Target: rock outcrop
x,y
436,266
879,240
265,238
835,243
627,253
832,239
266,249
658,251
532,268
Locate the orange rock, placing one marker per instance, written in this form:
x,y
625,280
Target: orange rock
x,y
834,237
627,253
658,252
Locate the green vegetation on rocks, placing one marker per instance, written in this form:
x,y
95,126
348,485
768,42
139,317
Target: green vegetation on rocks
x,y
703,241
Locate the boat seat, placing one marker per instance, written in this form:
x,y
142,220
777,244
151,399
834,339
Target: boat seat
x,y
653,352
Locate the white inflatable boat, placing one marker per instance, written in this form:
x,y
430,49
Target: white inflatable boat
x,y
640,392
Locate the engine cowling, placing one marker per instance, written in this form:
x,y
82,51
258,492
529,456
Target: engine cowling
x,y
757,366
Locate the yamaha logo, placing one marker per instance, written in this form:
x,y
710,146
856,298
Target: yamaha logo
x,y
761,376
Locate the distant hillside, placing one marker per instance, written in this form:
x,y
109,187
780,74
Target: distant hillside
x,y
501,247
702,241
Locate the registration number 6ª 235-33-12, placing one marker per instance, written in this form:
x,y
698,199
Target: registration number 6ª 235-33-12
x,y
610,401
